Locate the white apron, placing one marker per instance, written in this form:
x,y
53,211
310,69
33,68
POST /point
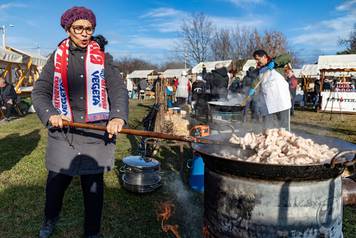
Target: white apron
x,y
275,91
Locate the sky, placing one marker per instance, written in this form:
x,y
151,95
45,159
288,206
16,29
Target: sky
x,y
149,30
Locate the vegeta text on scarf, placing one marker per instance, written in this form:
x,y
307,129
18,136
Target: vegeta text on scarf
x,y
97,106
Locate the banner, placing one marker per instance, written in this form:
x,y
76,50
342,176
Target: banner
x,y
338,101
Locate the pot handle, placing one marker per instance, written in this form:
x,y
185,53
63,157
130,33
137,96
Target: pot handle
x,y
221,127
339,158
122,169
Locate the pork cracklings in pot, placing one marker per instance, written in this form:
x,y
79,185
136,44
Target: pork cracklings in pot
x,y
278,146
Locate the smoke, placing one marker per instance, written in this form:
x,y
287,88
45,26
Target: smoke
x,y
189,206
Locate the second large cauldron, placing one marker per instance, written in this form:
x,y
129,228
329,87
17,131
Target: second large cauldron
x,y
244,199
225,111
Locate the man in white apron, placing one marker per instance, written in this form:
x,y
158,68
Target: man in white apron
x,y
274,99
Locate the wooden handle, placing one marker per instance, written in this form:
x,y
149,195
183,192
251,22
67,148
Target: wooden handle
x,y
134,132
244,101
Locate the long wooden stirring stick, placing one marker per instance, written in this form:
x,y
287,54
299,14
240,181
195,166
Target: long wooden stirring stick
x,y
150,134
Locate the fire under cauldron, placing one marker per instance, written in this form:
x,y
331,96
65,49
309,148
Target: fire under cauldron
x,y
245,199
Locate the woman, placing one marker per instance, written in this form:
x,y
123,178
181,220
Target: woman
x,y
80,84
274,99
183,89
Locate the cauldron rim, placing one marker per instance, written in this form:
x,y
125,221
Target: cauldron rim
x,y
235,167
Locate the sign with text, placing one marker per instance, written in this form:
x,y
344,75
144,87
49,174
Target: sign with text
x,y
338,101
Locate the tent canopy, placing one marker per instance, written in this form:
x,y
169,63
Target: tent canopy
x,y
310,70
141,74
338,65
37,59
337,62
249,63
171,73
297,73
10,57
210,65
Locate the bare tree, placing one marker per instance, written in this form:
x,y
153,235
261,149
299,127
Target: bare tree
x,y
349,43
274,42
243,43
246,41
127,65
172,65
197,31
221,45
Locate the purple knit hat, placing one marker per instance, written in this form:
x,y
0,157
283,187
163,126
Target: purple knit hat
x,y
77,13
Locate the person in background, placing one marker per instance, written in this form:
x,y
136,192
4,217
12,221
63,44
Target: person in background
x,y
8,98
293,84
316,95
129,86
235,86
247,84
142,86
204,72
274,97
219,82
79,83
169,93
183,88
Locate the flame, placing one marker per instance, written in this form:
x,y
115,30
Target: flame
x,y
165,211
205,232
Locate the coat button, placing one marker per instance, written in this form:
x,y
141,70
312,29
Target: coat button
x,y
81,98
82,76
82,57
81,117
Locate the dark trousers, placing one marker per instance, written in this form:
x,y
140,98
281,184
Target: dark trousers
x,y
8,110
93,192
277,120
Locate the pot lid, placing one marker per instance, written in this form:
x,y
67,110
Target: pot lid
x,y
140,162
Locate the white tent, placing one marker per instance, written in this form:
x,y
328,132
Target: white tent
x,y
337,62
210,65
171,73
37,59
310,70
297,73
11,57
338,65
249,63
141,74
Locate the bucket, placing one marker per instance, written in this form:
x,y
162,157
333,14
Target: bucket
x,y
196,178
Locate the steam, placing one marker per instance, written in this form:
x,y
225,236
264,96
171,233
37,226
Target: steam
x,y
189,210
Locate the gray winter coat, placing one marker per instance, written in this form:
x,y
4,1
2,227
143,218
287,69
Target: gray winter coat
x,y
79,151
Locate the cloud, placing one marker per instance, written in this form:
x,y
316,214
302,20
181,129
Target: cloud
x,y
232,22
245,3
154,43
12,5
167,20
326,34
162,12
346,5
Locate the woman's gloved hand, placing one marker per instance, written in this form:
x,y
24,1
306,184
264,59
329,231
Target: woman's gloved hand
x,y
114,127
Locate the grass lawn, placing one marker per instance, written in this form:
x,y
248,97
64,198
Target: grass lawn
x,y
342,126
23,175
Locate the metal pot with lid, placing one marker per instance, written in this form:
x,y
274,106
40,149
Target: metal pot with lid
x,y
140,174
